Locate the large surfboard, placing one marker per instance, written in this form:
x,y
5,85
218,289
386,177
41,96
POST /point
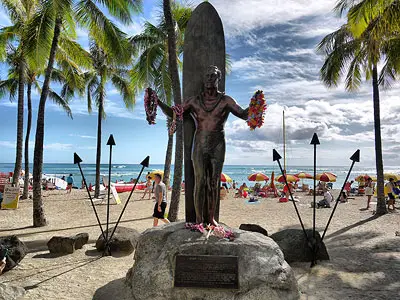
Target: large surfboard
x,y
204,46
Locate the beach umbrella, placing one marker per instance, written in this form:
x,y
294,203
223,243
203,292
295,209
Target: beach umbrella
x,y
387,176
326,177
303,175
225,178
153,174
365,177
289,178
258,177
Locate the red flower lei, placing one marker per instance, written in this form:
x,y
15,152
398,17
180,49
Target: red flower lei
x,y
178,113
257,109
150,105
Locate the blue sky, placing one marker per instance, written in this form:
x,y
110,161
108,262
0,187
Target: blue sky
x,y
272,45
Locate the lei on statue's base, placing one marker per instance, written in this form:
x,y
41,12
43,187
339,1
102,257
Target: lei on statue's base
x,y
150,105
218,231
257,108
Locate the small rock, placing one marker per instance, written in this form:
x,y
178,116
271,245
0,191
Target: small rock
x,y
124,240
9,292
253,228
67,245
295,247
16,251
81,239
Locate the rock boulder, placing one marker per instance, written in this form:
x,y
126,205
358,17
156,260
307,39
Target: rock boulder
x,y
67,245
295,247
253,228
124,240
16,251
263,272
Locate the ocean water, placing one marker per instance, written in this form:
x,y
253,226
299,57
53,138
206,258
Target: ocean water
x,y
236,172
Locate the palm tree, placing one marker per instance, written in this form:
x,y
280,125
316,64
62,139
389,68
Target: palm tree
x,y
176,90
12,39
106,68
359,52
10,86
151,67
53,17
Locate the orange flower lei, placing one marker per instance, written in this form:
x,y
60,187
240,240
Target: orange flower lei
x,y
257,109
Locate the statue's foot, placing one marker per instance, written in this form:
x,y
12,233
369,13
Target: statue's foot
x,y
215,223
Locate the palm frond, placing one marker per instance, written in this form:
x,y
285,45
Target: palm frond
x,y
106,34
122,9
57,99
10,87
127,92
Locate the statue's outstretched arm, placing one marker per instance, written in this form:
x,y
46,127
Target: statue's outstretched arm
x,y
166,109
237,110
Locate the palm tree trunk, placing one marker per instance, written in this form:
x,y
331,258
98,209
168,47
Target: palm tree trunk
x,y
381,205
98,151
39,218
176,88
20,123
25,194
168,157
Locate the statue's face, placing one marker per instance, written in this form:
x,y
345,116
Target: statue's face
x,y
211,79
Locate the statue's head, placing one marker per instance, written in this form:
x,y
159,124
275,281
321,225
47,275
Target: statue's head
x,y
212,77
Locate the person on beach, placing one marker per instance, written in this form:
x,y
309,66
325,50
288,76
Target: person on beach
x,y
326,202
70,183
369,191
234,185
347,187
390,186
149,187
160,193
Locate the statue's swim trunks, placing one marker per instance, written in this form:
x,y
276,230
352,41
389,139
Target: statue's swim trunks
x,y
209,145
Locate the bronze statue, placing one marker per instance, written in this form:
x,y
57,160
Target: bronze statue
x,y
210,110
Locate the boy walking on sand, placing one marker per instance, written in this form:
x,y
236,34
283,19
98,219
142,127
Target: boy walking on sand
x,y
160,193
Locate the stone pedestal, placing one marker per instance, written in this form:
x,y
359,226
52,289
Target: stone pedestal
x,y
263,272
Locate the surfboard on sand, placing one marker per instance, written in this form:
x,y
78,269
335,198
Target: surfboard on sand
x,y
204,46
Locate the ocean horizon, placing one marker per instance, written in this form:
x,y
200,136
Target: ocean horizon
x,y
238,173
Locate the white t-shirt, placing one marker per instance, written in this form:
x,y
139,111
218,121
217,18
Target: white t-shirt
x,y
328,196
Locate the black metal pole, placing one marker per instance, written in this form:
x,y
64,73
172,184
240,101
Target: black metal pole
x,y
337,200
127,200
108,194
315,142
314,206
294,203
110,143
91,200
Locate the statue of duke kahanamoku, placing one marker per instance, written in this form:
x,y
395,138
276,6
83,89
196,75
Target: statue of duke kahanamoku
x,y
210,110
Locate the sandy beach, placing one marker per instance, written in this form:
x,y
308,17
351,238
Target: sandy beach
x,y
364,251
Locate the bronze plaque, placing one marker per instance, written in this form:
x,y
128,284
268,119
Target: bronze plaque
x,y
207,271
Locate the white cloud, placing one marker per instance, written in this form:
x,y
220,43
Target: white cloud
x,y
7,144
241,16
82,136
58,147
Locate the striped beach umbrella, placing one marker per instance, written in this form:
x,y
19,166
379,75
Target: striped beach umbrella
x,y
289,178
303,175
258,177
387,176
153,174
326,177
225,178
